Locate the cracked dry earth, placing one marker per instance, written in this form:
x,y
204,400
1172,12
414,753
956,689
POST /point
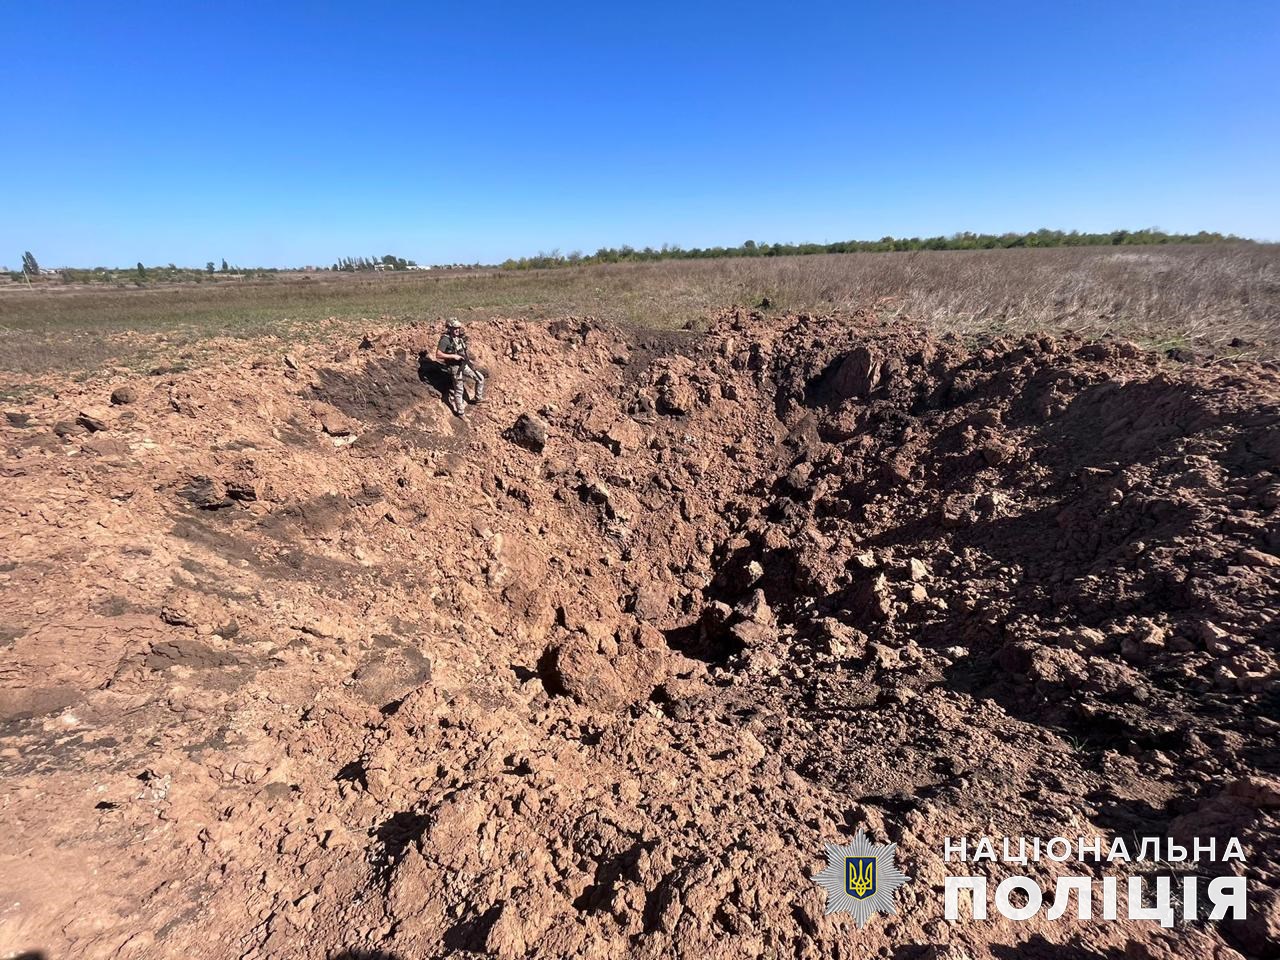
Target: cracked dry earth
x,y
295,664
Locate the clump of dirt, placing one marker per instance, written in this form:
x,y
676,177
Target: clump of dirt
x,y
301,658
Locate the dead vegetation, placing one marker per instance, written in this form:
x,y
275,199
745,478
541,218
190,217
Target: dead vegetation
x,y
1215,299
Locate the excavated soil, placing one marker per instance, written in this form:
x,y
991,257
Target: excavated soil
x,y
295,664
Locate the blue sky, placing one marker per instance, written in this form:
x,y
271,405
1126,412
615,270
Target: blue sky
x,y
292,133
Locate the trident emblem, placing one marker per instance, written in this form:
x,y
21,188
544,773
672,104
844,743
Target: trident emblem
x,y
860,877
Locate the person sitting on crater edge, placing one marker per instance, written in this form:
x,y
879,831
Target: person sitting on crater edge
x,y
452,352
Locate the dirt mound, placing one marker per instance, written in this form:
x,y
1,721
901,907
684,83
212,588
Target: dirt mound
x,y
294,655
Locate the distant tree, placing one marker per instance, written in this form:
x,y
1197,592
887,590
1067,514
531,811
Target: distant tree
x,y
142,271
224,264
29,265
209,267
1043,237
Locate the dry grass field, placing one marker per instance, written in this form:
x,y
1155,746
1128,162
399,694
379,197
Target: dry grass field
x,y
1219,298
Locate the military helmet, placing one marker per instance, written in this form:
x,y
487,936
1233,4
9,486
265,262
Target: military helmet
x,y
453,323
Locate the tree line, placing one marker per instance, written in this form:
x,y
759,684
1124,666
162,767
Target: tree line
x,y
141,273
956,241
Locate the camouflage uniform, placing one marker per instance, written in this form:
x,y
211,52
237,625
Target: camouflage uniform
x,y
456,343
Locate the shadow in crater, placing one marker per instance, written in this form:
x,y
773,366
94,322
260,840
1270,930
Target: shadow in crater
x,y
352,771
608,872
704,639
396,834
434,374
1130,817
377,393
469,933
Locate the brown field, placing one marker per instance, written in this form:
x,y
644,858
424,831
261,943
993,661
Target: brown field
x,y
1187,296
297,665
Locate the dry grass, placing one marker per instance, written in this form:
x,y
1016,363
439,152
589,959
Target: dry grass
x,y
1161,296
1158,295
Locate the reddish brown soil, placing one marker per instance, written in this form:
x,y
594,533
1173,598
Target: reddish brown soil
x,y
295,664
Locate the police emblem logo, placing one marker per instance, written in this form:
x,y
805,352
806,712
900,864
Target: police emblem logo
x,y
860,878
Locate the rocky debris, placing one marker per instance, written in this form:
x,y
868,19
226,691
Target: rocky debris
x,y
798,480
1184,943
190,653
750,635
125,394
1257,558
755,608
871,598
959,510
651,602
607,671
624,435
337,424
244,483
1258,793
93,419
574,330
676,397
386,678
530,432
190,608
856,375
1258,933
1147,641
619,434
184,401
207,493
792,577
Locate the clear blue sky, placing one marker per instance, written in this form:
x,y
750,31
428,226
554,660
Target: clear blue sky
x,y
290,133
